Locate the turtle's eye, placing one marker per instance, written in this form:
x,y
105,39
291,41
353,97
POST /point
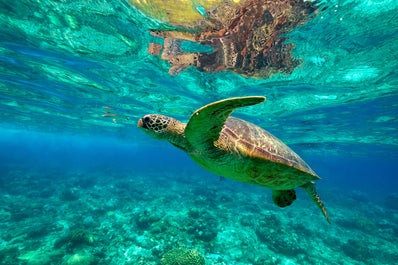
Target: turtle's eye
x,y
146,119
145,122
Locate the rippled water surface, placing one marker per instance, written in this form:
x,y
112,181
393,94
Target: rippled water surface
x,y
64,61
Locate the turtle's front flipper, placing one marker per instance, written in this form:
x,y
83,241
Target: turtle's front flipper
x,y
310,189
205,124
283,198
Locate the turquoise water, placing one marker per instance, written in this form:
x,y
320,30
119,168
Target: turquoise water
x,y
81,184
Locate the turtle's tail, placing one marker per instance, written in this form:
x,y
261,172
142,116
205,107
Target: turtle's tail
x,y
310,189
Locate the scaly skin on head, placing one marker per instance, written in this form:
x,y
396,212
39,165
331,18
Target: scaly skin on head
x,y
165,128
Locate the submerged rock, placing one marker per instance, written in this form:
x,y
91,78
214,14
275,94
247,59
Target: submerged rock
x,y
70,195
39,257
80,259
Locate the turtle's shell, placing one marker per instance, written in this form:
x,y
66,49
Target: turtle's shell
x,y
248,153
256,142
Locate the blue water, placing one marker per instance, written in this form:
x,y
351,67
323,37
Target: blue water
x,y
81,184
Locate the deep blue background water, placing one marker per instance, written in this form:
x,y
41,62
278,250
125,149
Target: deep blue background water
x,y
374,174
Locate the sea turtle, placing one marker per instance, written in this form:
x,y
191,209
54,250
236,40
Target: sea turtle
x,y
237,149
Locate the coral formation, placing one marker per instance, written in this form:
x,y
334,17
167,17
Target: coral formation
x,y
182,256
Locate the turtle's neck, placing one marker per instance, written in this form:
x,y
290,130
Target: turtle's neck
x,y
176,135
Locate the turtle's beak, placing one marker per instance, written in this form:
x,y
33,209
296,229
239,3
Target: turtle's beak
x,y
140,124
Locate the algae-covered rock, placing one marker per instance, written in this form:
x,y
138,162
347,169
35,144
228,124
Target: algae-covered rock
x,y
38,257
35,257
80,259
182,256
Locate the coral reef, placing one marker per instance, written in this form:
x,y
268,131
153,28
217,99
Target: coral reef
x,y
230,223
182,256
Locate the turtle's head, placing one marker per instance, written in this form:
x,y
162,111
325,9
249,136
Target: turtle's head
x,y
155,125
163,127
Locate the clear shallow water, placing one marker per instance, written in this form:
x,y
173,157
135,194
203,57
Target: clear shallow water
x,y
66,67
65,61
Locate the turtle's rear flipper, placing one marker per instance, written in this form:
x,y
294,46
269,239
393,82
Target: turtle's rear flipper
x,y
310,189
283,198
